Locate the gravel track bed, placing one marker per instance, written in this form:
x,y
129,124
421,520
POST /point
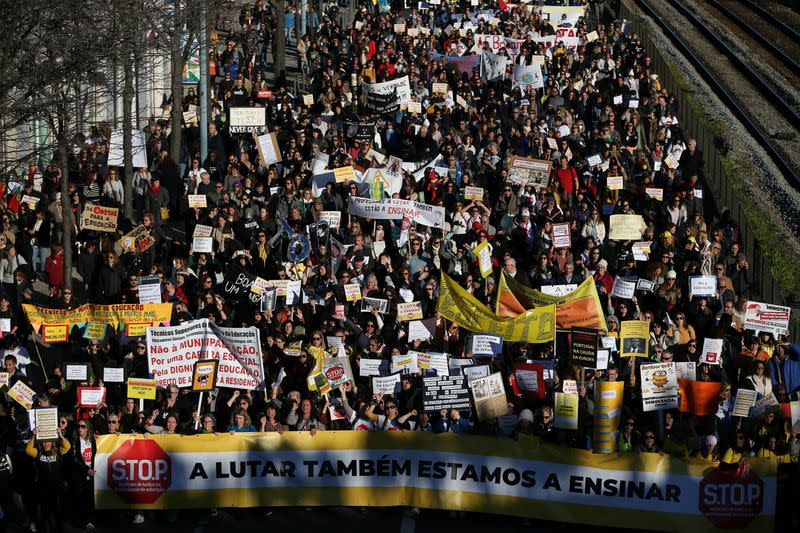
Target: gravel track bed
x,y
764,183
759,59
789,16
773,33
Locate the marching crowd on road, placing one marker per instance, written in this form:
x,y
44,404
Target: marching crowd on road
x,y
434,112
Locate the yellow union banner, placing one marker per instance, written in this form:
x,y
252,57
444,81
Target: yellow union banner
x,y
450,471
580,307
459,306
151,314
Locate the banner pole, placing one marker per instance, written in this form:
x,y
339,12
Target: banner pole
x,y
199,404
141,405
41,363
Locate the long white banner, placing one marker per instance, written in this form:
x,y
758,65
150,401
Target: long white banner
x,y
426,214
172,351
447,471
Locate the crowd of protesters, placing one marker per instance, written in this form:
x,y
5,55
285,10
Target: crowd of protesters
x,y
584,109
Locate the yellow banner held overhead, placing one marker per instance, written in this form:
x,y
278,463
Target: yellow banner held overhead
x,y
151,314
523,477
459,306
580,307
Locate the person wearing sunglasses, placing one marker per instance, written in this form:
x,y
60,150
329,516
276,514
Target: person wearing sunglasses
x,y
649,443
84,450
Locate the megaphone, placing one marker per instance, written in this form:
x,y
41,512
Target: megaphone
x,y
299,248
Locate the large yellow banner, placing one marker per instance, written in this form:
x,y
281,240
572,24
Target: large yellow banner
x,y
450,471
153,314
580,307
459,306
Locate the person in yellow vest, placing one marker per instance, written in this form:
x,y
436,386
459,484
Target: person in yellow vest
x,y
775,451
709,453
739,450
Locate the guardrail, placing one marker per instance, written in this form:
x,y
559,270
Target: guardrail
x,y
719,183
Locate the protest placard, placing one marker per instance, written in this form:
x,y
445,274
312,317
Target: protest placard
x,y
137,241
409,311
565,413
645,285
373,367
139,388
99,218
703,285
526,170
626,227
473,193
95,331
764,406
602,359
149,288
386,385
473,372
369,304
202,230
445,393
485,345
352,292
583,350
641,250
113,374
337,370
30,201
204,375
767,317
594,160
433,362
624,289
91,396
569,386
528,379
634,335
52,333
562,237
699,397
22,394
745,399
173,350
659,386
46,424
712,351
198,200
686,370
421,329
333,218
489,394
247,119
76,371
406,364
655,193
614,183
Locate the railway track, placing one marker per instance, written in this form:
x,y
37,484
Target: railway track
x,y
764,87
788,34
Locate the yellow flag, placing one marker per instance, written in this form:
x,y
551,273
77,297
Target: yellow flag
x,y
457,305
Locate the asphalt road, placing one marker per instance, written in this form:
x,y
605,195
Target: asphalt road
x,y
385,520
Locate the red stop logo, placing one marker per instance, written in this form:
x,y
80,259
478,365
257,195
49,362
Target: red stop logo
x,y
139,471
730,499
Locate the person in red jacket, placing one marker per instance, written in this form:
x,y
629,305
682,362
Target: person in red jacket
x,y
568,179
54,267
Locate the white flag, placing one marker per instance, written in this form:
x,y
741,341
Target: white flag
x,y
493,66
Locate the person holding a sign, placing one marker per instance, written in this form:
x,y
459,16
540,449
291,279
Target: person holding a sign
x,y
50,475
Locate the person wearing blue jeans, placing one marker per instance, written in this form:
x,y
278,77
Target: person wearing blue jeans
x,y
288,21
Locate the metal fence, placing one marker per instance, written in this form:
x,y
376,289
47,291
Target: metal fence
x,y
718,182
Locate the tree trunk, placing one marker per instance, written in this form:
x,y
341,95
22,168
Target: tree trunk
x,y
66,210
176,86
280,37
127,126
